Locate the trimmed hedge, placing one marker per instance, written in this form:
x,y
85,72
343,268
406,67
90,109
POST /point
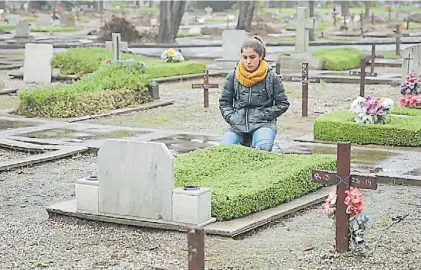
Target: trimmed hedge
x,y
112,87
244,180
338,59
80,61
399,131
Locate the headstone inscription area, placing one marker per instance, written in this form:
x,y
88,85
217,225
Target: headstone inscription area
x,y
136,182
37,63
344,180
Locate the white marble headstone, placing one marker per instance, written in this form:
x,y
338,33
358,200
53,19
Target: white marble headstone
x,y
136,179
411,60
37,63
231,43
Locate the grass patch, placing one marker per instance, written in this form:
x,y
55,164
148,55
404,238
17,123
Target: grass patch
x,y
181,35
55,29
339,58
111,87
7,26
399,131
245,180
82,61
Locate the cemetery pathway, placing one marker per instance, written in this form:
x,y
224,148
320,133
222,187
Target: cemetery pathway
x,y
30,240
188,113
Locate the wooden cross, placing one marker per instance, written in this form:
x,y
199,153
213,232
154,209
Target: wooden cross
x,y
205,86
344,180
195,248
304,79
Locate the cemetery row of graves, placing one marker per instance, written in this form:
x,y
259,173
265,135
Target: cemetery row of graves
x,y
241,181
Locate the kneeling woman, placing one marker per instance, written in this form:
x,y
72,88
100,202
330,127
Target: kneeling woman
x,y
252,99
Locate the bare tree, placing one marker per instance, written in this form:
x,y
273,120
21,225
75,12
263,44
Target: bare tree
x,y
367,5
170,14
245,17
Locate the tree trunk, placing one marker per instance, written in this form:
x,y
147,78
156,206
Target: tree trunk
x,y
2,4
170,14
367,5
311,10
245,17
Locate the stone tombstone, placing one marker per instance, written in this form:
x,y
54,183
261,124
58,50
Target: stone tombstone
x,y
136,179
411,60
44,20
231,44
208,10
303,24
22,29
13,19
37,63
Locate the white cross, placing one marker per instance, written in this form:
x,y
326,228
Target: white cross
x,y
302,26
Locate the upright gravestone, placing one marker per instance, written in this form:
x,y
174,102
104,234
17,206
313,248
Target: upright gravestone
x,y
116,42
13,19
136,179
303,24
22,30
231,46
44,20
411,60
37,63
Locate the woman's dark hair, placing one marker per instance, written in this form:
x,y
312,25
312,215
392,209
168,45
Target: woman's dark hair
x,y
255,43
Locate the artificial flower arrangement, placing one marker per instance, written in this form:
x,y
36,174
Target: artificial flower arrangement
x,y
411,91
371,110
172,56
358,221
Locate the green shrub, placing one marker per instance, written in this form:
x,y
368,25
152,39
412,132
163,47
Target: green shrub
x,y
339,58
113,86
86,60
399,131
245,180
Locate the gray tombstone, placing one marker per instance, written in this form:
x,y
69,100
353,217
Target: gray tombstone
x,y
13,19
231,46
22,29
37,63
411,60
136,179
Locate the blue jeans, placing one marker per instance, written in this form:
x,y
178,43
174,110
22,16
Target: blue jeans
x,y
263,138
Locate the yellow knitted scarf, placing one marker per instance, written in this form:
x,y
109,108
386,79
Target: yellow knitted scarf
x,y
249,79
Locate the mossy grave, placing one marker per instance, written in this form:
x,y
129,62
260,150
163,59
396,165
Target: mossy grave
x,y
244,180
402,129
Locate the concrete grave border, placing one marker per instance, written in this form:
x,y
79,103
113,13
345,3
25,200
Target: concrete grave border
x,y
231,228
46,153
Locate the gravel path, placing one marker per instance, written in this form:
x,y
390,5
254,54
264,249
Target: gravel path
x,y
188,113
7,155
30,240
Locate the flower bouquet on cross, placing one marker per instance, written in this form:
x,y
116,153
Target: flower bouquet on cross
x,y
371,110
172,56
358,221
411,91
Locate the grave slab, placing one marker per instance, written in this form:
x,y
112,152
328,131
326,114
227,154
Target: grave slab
x,y
231,46
145,167
22,30
37,63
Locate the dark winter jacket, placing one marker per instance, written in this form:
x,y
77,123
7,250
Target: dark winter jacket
x,y
247,109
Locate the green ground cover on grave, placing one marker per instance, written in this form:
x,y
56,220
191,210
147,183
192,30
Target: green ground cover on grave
x,y
56,29
399,131
113,86
86,60
245,180
339,58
